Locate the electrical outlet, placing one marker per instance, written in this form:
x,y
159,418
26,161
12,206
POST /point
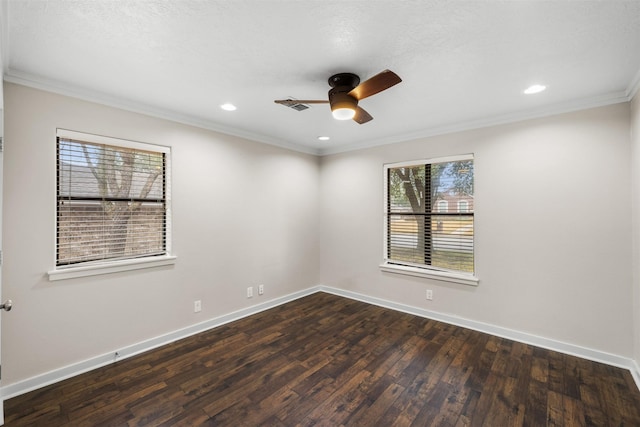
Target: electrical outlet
x,y
429,294
250,292
260,289
197,306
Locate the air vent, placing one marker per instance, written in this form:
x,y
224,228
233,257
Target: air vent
x,y
299,107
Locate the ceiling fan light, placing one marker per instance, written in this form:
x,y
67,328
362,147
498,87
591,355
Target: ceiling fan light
x,y
343,113
343,106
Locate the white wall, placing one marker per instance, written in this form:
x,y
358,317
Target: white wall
x,y
553,228
244,213
635,160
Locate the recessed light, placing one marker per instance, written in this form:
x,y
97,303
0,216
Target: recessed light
x,y
324,138
228,107
534,89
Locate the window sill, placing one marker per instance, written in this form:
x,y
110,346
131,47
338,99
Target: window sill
x,y
111,267
464,279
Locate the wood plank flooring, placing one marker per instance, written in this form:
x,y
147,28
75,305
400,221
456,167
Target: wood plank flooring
x,y
324,360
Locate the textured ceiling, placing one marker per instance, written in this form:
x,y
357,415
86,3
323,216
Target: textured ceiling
x,y
464,64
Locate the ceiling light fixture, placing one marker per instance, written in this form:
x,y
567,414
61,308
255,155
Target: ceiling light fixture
x,y
343,106
323,138
228,107
534,89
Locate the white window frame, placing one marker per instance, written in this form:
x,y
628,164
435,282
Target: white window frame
x,y
113,266
390,266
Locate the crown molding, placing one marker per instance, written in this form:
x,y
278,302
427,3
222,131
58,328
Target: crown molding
x,y
552,110
634,86
41,83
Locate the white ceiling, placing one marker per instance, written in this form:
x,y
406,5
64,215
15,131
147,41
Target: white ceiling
x,y
464,64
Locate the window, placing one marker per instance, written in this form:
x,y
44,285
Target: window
x,y
112,200
421,233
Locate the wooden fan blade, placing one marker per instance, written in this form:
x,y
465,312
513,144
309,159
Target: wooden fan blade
x,y
362,116
375,84
300,101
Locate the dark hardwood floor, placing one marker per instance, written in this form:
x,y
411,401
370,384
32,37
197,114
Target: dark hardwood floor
x,y
324,360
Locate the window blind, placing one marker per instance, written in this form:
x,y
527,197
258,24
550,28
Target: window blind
x,y
429,215
111,202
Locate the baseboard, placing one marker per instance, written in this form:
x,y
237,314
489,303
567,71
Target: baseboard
x,y
635,372
78,368
550,344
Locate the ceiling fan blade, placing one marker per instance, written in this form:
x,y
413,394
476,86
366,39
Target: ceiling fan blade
x,y
375,84
362,116
300,101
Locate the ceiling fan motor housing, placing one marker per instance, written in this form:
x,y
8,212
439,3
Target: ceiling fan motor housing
x,y
342,99
344,79
341,84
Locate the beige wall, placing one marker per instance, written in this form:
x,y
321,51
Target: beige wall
x,y
248,213
635,160
243,213
553,228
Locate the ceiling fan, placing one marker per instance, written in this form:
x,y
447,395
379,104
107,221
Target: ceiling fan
x,y
346,90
